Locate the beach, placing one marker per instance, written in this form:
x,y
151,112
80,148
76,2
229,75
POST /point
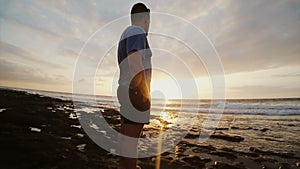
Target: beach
x,y
38,131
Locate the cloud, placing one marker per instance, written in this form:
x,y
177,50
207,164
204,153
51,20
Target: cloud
x,y
8,50
296,75
11,71
256,91
259,35
249,35
21,55
28,26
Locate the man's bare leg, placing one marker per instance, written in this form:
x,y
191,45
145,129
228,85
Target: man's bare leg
x,y
131,130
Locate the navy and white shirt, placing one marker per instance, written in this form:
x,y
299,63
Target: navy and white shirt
x,y
133,39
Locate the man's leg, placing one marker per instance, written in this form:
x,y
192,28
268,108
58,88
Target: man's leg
x,y
130,130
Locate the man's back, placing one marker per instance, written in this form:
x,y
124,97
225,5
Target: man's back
x,y
133,39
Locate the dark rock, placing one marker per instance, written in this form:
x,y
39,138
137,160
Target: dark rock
x,y
284,166
224,154
22,148
165,163
253,149
222,165
264,129
227,137
194,161
207,147
165,153
206,160
175,163
192,135
222,128
194,129
185,143
249,154
169,158
284,155
287,155
204,149
196,150
262,159
227,149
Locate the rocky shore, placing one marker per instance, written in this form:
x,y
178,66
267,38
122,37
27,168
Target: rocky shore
x,y
38,132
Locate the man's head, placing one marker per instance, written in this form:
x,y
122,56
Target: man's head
x,y
140,15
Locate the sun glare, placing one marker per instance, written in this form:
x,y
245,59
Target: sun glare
x,y
165,89
167,118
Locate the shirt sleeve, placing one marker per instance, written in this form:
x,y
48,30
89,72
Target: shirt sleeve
x,y
136,43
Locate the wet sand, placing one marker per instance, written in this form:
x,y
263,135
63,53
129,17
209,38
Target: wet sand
x,y
42,132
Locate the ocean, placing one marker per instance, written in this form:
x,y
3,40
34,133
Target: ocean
x,y
270,106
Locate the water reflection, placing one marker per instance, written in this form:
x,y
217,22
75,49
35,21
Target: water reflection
x,y
167,119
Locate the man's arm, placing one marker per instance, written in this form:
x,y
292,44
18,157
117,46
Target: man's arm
x,y
136,67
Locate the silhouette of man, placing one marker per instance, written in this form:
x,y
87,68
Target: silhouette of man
x,y
134,58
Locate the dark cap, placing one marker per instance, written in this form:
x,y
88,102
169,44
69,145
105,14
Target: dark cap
x,y
139,8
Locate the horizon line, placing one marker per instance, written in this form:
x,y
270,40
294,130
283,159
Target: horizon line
x,y
65,92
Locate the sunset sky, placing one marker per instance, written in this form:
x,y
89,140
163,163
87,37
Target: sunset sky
x,y
258,43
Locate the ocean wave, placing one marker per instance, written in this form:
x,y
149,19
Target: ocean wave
x,y
281,107
256,106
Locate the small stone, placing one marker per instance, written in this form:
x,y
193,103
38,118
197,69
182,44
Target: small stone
x,y
81,147
79,135
264,129
65,138
284,166
253,149
234,128
34,129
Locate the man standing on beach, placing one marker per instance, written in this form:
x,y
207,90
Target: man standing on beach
x,y
134,58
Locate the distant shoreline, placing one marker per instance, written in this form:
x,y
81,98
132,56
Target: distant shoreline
x,y
203,99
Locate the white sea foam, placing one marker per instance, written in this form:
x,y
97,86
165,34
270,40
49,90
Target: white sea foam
x,y
34,129
81,147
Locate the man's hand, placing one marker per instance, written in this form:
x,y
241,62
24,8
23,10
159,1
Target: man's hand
x,y
139,82
137,69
